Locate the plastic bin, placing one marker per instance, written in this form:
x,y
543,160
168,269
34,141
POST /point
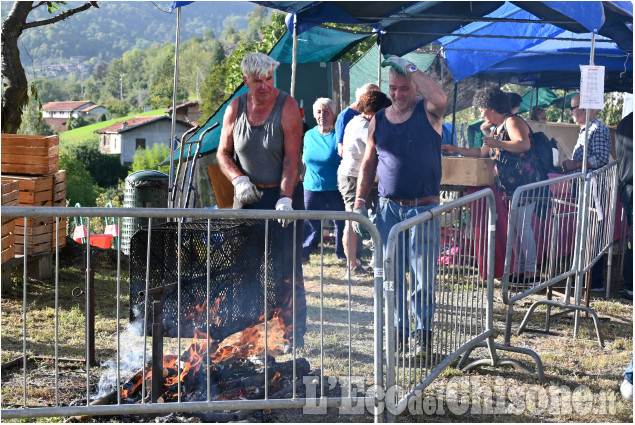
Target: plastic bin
x,y
143,189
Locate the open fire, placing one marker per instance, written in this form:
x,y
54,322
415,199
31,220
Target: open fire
x,y
236,365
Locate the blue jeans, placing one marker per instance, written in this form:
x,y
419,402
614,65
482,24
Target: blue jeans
x,y
628,373
328,200
421,255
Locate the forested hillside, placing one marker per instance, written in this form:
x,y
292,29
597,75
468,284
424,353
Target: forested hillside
x,y
118,26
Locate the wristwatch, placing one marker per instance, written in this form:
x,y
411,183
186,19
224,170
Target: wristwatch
x,y
411,68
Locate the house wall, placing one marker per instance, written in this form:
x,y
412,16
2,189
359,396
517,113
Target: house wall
x,y
93,113
56,114
158,132
110,143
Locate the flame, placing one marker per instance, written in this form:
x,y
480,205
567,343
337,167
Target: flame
x,y
251,341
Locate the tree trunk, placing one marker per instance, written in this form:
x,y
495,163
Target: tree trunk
x,y
14,82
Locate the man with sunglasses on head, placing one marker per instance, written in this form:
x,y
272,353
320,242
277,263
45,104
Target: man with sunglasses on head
x,y
599,140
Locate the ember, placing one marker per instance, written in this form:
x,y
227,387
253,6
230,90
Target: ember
x,y
237,366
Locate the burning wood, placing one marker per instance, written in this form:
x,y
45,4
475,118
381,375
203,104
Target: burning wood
x,y
236,367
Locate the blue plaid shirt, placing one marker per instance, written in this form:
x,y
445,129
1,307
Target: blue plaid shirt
x,y
599,145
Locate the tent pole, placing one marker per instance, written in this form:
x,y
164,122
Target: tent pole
x,y
456,86
174,94
379,61
564,104
294,63
582,202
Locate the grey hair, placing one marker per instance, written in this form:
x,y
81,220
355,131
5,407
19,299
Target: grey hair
x,y
324,101
258,65
368,87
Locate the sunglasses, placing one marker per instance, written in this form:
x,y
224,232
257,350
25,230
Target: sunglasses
x,y
573,108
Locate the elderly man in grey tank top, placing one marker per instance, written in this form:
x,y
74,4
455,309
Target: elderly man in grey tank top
x,y
262,130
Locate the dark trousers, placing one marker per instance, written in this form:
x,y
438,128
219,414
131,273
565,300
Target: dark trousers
x,y
268,201
328,200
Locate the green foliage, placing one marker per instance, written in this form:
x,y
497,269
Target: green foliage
x,y
116,27
149,159
77,122
32,121
80,186
612,112
163,86
117,108
105,170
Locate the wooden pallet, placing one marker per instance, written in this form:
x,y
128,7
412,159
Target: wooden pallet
x,y
33,155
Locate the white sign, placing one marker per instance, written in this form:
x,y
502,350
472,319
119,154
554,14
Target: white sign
x,y
591,87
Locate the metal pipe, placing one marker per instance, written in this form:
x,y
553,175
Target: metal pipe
x,y
174,91
294,62
157,349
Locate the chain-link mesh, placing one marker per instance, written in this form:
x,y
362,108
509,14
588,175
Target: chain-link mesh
x,y
236,274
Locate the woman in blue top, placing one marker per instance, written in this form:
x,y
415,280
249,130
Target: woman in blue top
x,y
320,180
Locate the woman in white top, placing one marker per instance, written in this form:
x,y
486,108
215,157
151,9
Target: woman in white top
x,y
354,146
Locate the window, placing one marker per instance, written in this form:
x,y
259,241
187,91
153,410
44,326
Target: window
x,y
140,143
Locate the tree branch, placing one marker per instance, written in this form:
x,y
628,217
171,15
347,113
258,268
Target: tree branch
x,y
59,17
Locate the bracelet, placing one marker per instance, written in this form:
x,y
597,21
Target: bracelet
x,y
283,196
360,200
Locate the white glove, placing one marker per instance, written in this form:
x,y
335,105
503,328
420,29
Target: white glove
x,y
246,192
402,65
357,227
284,204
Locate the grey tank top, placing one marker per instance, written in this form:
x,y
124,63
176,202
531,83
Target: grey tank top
x,y
260,149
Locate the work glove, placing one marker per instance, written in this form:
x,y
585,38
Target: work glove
x,y
360,208
402,65
245,191
284,204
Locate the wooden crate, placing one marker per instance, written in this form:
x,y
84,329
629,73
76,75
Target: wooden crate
x,y
34,191
467,171
33,155
8,241
10,191
59,188
62,233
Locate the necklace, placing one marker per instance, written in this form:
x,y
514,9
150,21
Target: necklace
x,y
396,111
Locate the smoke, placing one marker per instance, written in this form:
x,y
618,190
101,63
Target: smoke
x,y
130,355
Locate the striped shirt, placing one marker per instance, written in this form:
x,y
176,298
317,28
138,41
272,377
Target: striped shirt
x,y
599,145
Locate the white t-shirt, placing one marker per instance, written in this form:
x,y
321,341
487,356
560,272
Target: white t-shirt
x,y
354,146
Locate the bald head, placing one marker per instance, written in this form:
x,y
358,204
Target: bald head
x,y
366,88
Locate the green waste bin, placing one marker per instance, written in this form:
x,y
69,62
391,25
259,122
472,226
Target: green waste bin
x,y
143,189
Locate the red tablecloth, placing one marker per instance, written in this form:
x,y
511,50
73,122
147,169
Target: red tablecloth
x,y
566,235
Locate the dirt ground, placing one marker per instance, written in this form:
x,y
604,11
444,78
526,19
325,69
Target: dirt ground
x,y
582,379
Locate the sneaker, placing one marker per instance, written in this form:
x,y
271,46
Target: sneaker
x,y
627,390
423,338
626,294
352,273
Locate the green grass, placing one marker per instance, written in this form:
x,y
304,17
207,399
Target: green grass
x,y
80,134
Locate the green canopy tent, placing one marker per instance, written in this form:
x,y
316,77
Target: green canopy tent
x,y
320,44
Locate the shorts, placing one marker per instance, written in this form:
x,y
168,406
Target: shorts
x,y
347,186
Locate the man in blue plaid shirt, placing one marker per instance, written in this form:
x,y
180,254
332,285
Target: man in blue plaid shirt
x,y
599,140
597,157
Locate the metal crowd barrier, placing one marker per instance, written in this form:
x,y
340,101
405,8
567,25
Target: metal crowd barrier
x,y
548,235
354,337
456,296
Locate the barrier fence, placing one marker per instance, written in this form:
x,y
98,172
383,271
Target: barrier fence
x,y
189,298
437,278
550,244
439,294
